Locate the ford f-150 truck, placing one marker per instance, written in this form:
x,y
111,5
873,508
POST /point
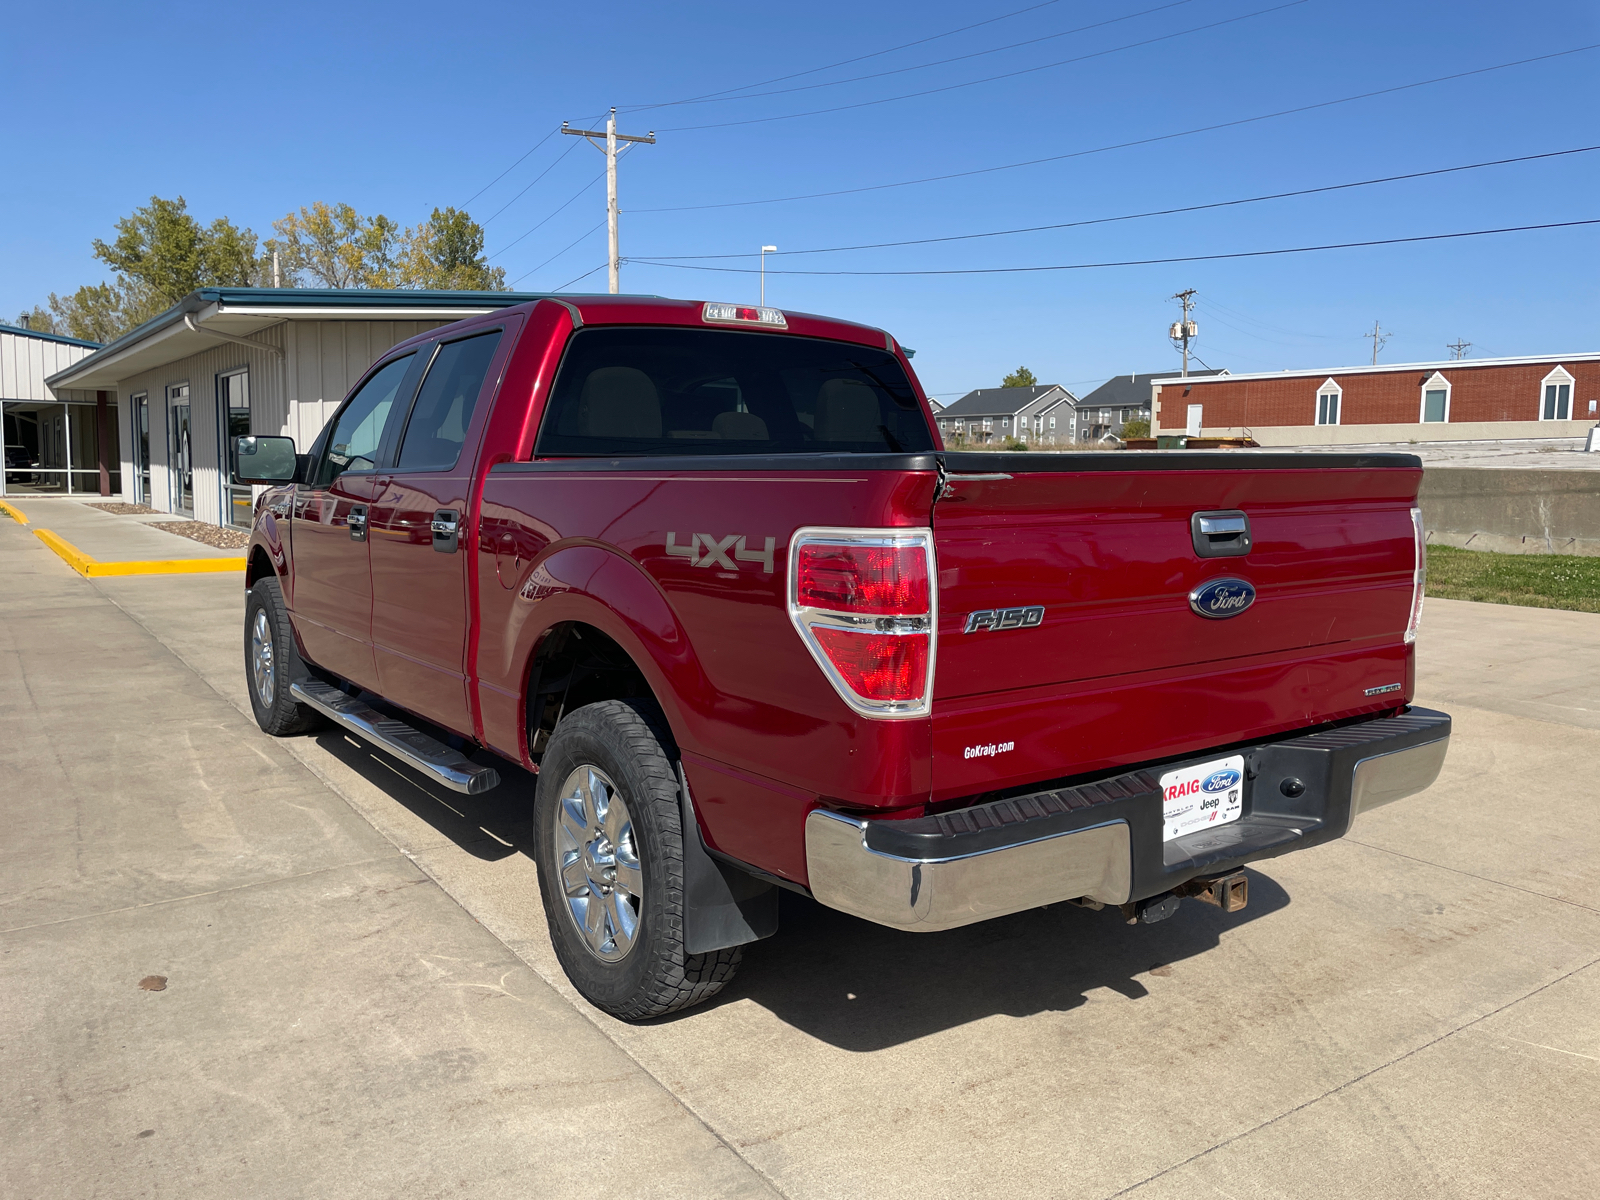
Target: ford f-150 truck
x,y
707,570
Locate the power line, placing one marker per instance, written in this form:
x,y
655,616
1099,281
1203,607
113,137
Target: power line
x,y
1163,137
1165,37
581,237
508,170
1247,318
941,62
844,62
1144,262
536,179
526,232
1160,212
585,275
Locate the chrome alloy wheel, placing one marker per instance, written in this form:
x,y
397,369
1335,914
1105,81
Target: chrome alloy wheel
x,y
599,864
263,669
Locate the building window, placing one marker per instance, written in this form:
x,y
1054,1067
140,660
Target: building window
x,y
1557,405
1435,399
1052,424
1328,397
233,419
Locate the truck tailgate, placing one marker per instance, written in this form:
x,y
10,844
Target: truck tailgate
x,y
1120,669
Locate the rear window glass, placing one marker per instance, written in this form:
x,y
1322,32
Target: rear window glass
x,y
633,391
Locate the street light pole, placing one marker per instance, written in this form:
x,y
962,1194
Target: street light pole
x,y
765,250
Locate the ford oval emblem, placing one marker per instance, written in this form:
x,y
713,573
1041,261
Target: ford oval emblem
x,y
1220,781
1221,598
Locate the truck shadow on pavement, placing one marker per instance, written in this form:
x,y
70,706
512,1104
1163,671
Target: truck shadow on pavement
x,y
848,982
861,987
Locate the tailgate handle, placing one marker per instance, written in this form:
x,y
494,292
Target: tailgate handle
x,y
1220,534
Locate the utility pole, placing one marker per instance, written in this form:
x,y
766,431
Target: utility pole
x,y
612,137
1185,329
1379,341
1458,348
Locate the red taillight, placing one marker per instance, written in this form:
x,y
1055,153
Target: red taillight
x,y
864,604
887,580
889,668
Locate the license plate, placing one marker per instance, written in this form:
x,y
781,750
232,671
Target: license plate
x,y
1202,796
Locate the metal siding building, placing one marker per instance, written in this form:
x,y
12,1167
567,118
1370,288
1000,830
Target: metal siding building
x,y
278,360
53,439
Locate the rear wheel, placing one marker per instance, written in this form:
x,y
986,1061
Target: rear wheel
x,y
271,663
609,845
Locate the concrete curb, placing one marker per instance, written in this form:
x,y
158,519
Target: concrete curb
x,y
91,568
14,513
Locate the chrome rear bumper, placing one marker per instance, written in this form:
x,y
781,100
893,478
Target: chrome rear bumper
x,y
1102,841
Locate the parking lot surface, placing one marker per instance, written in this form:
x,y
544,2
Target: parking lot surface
x,y
361,999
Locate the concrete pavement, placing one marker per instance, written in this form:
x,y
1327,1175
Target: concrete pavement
x,y
111,537
1408,1012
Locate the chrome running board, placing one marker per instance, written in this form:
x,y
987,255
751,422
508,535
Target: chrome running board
x,y
413,747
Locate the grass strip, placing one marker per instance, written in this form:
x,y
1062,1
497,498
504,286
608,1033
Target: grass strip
x,y
1529,580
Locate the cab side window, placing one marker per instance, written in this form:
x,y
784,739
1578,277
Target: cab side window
x,y
358,429
445,402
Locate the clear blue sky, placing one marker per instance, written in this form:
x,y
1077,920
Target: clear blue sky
x,y
249,111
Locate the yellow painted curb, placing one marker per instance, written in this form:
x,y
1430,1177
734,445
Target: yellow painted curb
x,y
92,568
14,513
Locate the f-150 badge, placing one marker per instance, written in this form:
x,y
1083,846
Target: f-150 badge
x,y
1005,618
705,550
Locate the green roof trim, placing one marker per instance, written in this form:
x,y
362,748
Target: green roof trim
x,y
290,299
47,337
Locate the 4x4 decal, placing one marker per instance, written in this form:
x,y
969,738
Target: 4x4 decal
x,y
704,550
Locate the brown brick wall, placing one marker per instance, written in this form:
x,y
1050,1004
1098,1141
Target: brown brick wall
x,y
1507,393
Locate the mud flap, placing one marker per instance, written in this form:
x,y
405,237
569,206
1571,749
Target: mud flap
x,y
722,906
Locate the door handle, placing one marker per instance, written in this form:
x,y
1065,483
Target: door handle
x,y
446,530
358,523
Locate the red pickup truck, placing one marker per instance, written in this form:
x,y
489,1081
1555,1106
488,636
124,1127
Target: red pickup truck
x,y
707,570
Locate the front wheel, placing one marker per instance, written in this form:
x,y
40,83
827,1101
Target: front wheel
x,y
609,844
271,663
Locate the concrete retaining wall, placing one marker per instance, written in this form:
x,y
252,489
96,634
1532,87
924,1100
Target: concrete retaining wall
x,y
1513,511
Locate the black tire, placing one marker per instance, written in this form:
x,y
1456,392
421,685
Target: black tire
x,y
624,744
266,618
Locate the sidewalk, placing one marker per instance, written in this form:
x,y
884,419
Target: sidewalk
x,y
106,537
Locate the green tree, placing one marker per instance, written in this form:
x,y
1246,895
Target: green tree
x,y
100,312
1021,377
445,252
38,318
163,253
1136,428
334,246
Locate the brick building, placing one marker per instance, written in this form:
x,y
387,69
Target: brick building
x,y
1464,400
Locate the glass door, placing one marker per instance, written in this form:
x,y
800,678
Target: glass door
x,y
141,438
233,418
180,457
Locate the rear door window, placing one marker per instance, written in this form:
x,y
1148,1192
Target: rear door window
x,y
445,402
655,391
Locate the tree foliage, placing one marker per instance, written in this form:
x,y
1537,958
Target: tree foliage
x,y
445,252
38,318
1021,377
334,246
161,253
1136,428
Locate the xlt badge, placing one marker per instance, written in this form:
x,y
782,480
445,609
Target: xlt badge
x,y
1005,618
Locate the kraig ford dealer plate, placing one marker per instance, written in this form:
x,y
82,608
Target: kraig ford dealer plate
x,y
1202,796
